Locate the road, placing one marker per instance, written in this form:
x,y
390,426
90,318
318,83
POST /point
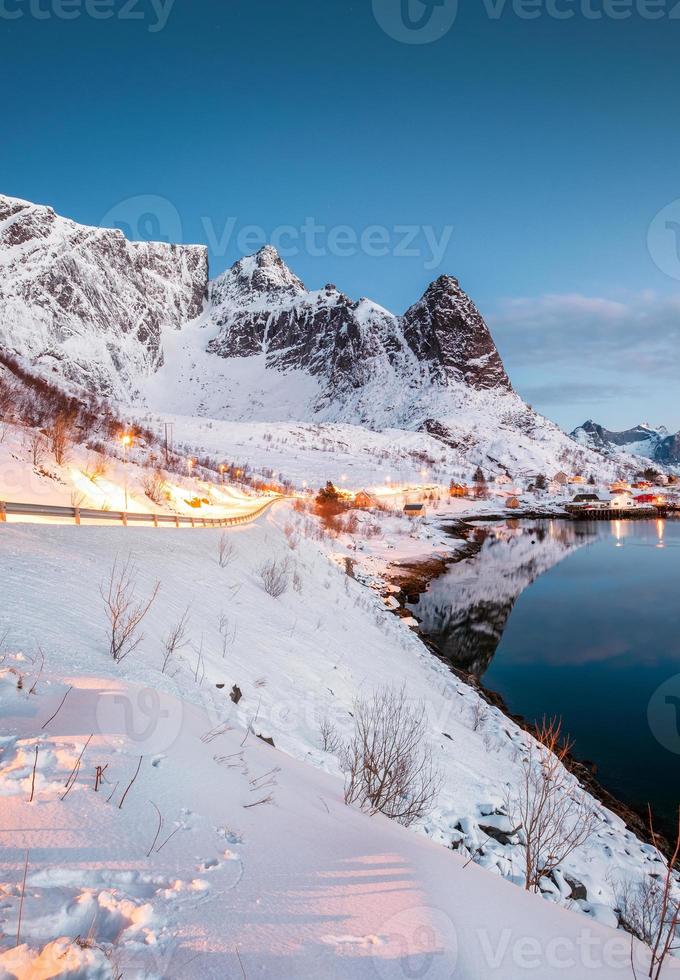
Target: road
x,y
52,514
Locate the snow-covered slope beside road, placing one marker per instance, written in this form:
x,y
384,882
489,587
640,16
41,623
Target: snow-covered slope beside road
x,y
298,884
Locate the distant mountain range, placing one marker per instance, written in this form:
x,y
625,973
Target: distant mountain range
x,y
141,323
645,441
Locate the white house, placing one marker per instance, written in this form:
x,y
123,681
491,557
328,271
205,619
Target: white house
x,y
623,500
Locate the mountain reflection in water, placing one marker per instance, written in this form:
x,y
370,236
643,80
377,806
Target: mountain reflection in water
x,y
595,640
465,611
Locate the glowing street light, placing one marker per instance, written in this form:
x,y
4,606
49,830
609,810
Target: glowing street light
x,y
126,440
222,469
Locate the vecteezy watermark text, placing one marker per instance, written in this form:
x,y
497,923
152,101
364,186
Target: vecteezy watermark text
x,y
341,241
154,13
425,21
149,217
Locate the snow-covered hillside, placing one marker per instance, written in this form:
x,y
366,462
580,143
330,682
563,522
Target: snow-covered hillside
x,y
225,848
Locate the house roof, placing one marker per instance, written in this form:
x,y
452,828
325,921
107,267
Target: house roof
x,y
413,506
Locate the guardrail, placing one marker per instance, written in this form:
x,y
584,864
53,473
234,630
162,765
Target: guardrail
x,y
80,514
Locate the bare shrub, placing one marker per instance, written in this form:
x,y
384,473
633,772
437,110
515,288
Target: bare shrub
x,y
477,714
96,466
292,536
175,640
124,612
352,524
387,764
60,435
275,575
226,551
330,739
36,444
155,486
650,909
553,813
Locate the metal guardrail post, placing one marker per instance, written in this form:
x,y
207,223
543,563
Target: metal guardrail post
x,y
3,511
123,518
76,515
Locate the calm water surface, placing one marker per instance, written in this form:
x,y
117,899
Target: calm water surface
x,y
582,621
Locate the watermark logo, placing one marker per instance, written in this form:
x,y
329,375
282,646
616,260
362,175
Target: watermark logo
x,y
416,943
154,14
415,21
147,218
152,218
663,239
145,720
663,714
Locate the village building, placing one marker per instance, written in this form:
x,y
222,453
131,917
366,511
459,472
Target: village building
x,y
513,502
458,490
365,500
561,478
414,510
622,501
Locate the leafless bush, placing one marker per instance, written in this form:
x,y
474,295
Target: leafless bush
x,y
639,905
477,714
352,524
330,738
175,641
155,486
124,612
60,435
292,536
226,551
36,444
275,575
554,815
96,466
387,764
650,909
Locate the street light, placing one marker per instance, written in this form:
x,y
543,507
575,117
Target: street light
x,y
222,469
126,440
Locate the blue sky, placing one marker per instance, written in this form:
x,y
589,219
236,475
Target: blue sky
x,y
528,157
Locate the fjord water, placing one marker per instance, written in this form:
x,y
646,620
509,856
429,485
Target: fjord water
x,y
581,621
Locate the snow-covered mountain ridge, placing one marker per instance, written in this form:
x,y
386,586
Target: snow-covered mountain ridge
x,y
142,324
646,441
86,303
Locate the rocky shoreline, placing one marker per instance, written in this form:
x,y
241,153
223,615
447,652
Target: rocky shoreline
x,y
411,579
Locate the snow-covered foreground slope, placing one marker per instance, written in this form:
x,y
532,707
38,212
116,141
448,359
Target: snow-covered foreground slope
x,y
297,885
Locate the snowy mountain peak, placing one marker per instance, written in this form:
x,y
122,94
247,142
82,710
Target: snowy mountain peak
x,y
262,275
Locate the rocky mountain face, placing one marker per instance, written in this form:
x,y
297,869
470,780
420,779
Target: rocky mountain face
x,y
141,323
88,304
260,307
642,440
